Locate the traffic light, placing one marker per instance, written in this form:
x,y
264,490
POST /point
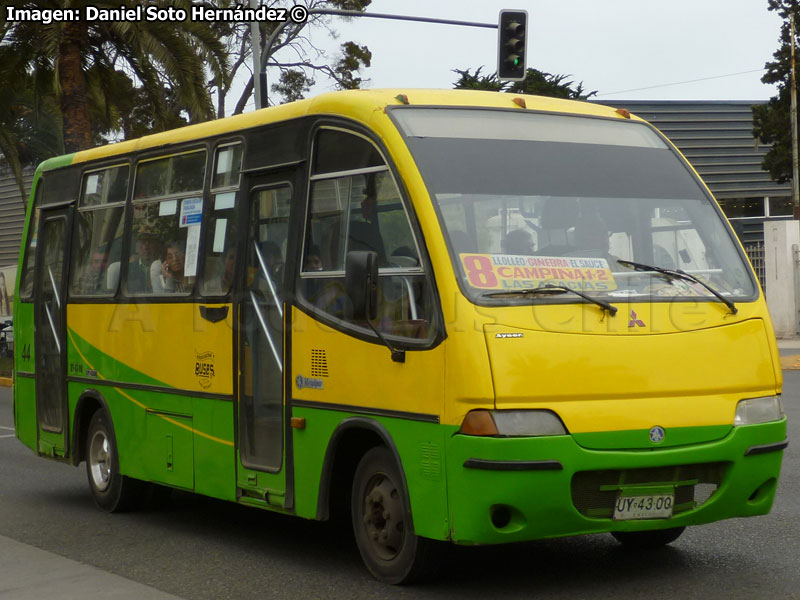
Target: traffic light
x,y
511,44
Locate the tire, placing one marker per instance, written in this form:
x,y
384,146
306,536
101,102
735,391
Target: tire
x,y
112,491
382,522
648,539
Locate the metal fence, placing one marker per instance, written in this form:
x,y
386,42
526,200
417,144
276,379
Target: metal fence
x,y
755,252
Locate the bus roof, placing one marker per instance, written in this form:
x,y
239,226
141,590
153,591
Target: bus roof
x,y
360,105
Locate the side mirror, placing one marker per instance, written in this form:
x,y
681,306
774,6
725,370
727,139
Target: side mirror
x,y
361,284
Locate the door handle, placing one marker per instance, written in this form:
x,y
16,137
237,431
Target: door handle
x,y
215,314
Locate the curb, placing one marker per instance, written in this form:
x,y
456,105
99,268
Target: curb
x,y
7,381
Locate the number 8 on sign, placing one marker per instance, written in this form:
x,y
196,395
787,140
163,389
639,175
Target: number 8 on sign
x,y
480,272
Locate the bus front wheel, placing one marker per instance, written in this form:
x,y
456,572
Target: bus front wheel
x,y
381,521
648,539
112,491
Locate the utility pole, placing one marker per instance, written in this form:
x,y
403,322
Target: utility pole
x,y
795,155
255,40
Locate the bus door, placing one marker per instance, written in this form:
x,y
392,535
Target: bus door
x,y
261,475
50,344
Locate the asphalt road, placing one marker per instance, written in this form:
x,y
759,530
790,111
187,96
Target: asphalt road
x,y
201,548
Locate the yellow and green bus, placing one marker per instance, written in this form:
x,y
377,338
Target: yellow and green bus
x,y
457,316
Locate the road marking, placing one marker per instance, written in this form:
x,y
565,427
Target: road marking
x,y
5,436
9,428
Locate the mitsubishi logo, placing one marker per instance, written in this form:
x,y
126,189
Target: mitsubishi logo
x,y
657,434
635,322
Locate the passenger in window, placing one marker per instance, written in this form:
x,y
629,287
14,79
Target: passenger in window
x,y
591,238
148,251
273,259
168,277
313,260
225,279
369,204
366,235
94,277
519,241
332,298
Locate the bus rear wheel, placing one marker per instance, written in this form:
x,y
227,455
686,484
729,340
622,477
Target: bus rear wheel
x,y
112,491
382,521
648,539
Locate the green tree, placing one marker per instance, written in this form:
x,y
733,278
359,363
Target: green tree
x,y
772,121
30,125
536,82
69,86
87,57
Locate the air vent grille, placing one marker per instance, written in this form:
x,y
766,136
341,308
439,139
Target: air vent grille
x,y
319,363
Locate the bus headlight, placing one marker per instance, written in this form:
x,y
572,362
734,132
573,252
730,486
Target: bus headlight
x,y
512,423
758,410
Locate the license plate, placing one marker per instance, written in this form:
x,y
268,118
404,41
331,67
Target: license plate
x,y
658,506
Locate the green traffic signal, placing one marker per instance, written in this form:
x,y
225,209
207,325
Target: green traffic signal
x,y
511,45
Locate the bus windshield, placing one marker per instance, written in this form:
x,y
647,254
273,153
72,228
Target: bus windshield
x,y
529,200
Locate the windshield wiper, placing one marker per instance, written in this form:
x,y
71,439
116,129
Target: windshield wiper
x,y
555,289
680,274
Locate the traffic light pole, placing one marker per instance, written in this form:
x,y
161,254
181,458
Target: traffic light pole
x,y
260,58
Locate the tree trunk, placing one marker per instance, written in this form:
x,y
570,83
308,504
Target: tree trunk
x,y
71,78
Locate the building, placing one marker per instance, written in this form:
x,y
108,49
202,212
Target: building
x,y
717,139
12,217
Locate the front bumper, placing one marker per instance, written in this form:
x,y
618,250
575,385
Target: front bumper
x,y
516,489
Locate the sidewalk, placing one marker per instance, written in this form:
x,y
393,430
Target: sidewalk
x,y
28,573
790,353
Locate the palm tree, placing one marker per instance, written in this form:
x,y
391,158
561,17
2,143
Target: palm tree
x,y
165,60
30,125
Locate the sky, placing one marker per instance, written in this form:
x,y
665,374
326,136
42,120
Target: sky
x,y
624,49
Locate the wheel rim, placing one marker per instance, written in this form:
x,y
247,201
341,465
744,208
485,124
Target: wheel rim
x,y
383,516
100,461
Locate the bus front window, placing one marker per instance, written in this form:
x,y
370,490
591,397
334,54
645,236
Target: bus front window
x,y
528,200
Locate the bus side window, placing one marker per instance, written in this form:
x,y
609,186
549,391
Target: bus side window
x,y
97,244
359,208
220,235
26,283
167,217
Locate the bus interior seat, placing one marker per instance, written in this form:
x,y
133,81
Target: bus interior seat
x,y
112,276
